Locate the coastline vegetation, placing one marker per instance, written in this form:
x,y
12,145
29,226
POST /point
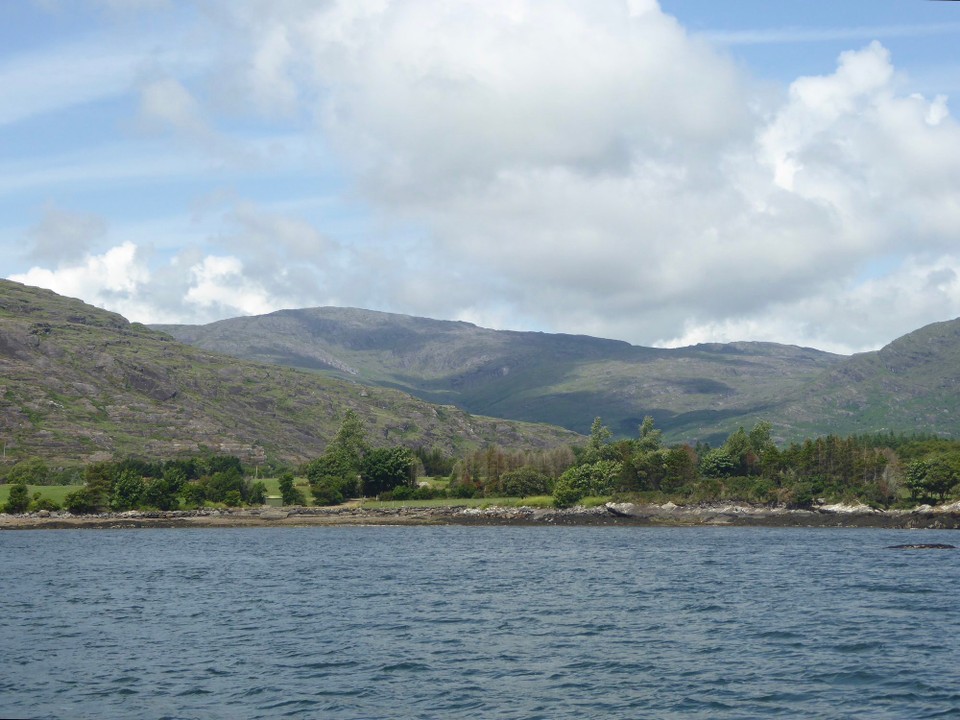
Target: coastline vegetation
x,y
880,470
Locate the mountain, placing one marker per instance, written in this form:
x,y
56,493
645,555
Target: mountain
x,y
702,392
912,384
694,393
77,382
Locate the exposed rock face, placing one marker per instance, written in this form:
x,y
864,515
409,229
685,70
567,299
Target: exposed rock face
x,y
80,384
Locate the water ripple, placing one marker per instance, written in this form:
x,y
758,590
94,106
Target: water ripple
x,y
477,623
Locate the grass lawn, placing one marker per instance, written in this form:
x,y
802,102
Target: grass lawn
x,y
55,492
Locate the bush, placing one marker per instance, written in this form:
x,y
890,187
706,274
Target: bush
x,y
326,494
193,495
524,481
290,495
32,471
81,502
566,492
258,494
19,499
43,503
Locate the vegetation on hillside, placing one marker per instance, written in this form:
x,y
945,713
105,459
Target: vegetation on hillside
x,y
880,470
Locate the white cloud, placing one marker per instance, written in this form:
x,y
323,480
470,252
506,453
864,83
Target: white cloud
x,y
583,167
98,278
219,282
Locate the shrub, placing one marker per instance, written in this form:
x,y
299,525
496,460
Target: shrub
x,y
19,499
81,501
32,471
43,503
566,492
258,494
326,494
290,495
524,481
193,495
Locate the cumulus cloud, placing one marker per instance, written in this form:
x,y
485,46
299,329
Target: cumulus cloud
x,y
586,167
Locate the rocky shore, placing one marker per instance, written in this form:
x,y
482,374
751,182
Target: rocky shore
x,y
668,514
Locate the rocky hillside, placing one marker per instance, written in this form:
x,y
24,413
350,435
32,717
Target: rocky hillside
x,y
702,392
912,384
699,392
77,382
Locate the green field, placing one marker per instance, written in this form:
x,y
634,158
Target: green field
x,y
54,492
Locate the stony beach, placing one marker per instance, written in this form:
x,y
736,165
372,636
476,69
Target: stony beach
x,y
668,514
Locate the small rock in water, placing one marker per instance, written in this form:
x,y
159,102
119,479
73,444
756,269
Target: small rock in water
x,y
922,546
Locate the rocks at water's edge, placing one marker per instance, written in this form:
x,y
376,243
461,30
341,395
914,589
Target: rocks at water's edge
x,y
942,517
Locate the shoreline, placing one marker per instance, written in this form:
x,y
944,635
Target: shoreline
x,y
944,517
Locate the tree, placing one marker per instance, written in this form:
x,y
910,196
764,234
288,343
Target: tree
x,y
650,438
82,501
598,447
717,463
258,493
19,499
335,474
127,491
32,471
932,477
290,495
163,492
523,482
384,469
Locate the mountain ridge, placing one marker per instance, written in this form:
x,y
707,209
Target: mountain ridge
x,y
81,383
695,393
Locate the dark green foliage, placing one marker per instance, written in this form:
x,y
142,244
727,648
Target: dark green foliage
x,y
717,463
42,503
383,469
567,492
258,494
436,463
216,487
163,492
332,478
934,477
325,494
32,471
523,482
335,475
290,495
82,501
193,495
127,490
18,500
406,492
222,464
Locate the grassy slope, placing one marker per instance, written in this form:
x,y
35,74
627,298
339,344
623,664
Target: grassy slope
x,y
701,392
77,382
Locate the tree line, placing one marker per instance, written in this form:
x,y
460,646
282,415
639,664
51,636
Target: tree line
x,y
882,470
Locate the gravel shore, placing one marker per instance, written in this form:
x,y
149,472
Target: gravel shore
x,y
940,517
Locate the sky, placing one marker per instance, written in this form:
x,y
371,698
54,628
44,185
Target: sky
x,y
665,174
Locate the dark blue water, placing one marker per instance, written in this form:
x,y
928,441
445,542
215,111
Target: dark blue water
x,y
492,622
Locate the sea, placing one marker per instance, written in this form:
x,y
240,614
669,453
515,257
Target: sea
x,y
479,622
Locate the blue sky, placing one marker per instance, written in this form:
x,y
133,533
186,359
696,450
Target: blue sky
x,y
666,174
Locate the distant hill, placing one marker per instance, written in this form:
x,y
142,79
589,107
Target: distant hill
x,y
77,382
699,392
702,392
912,384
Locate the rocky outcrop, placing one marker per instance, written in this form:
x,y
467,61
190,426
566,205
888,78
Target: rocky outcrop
x,y
667,514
